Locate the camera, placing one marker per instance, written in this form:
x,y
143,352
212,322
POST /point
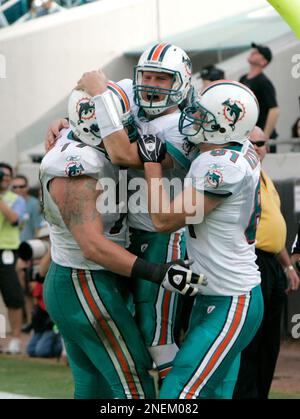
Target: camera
x,y
33,249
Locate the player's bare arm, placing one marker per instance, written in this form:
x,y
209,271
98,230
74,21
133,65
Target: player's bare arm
x,y
173,215
76,200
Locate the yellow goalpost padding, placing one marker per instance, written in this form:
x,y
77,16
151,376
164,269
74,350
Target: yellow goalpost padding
x,y
290,12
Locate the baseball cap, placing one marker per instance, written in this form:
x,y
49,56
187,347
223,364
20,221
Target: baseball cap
x,y
212,73
263,50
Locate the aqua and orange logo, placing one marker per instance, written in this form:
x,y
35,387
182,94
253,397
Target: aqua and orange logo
x,y
234,111
85,110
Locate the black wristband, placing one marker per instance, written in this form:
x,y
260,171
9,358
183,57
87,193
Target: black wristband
x,y
153,272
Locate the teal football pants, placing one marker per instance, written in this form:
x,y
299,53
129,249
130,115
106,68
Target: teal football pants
x,y
207,363
106,352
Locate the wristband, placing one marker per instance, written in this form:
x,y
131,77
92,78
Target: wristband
x,y
289,268
107,115
143,269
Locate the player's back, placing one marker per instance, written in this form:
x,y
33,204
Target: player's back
x,y
222,245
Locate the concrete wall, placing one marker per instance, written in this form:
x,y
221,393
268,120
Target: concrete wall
x,y
44,58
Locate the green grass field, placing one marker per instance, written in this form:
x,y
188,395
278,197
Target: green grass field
x,y
51,379
35,377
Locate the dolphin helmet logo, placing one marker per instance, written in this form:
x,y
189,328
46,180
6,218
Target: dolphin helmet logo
x,y
86,110
234,111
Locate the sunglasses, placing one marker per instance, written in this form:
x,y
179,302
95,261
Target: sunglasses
x,y
19,186
258,143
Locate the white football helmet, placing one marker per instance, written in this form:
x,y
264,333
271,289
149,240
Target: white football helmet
x,y
227,111
163,58
82,115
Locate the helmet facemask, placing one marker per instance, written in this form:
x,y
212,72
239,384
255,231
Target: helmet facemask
x,y
152,105
195,120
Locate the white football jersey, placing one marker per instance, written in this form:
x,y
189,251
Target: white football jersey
x,y
223,244
72,158
181,150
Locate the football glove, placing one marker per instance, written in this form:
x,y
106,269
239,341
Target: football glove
x,y
179,278
151,149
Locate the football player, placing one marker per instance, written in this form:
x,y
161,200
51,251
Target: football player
x,y
223,182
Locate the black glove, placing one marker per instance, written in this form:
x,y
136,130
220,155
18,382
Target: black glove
x,y
180,279
151,149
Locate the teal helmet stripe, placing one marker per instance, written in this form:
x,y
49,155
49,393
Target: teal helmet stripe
x,y
121,95
163,53
158,52
112,88
151,52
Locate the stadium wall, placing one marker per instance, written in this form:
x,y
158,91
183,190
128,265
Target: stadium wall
x,y
44,58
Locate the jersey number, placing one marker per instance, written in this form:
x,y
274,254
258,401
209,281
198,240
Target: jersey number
x,y
250,231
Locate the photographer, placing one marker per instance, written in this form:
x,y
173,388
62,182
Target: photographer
x,y
35,257
46,341
12,211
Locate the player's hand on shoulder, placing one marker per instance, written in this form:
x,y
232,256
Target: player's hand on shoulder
x,y
151,149
179,278
53,132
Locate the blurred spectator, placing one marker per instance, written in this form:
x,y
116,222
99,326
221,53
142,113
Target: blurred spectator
x,y
258,360
33,217
210,74
263,89
40,8
12,210
296,134
31,223
46,341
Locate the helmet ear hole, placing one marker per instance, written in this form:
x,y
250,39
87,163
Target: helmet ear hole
x,y
222,130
